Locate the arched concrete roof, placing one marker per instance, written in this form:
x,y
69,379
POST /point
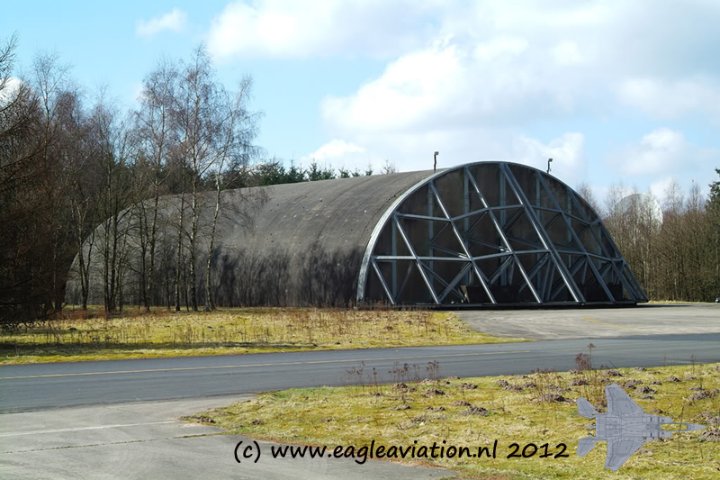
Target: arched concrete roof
x,y
335,215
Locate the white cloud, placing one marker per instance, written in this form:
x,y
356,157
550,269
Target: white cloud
x,y
292,29
410,91
500,47
171,21
492,73
567,53
655,153
410,152
10,90
666,98
333,151
664,156
495,63
137,92
566,151
660,188
452,84
244,27
480,80
488,64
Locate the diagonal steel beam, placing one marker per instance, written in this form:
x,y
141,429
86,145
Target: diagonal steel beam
x,y
382,281
477,271
405,238
450,286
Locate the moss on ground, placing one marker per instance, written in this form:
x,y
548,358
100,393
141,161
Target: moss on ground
x,y
537,408
231,331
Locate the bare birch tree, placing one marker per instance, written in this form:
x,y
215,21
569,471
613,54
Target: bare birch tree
x,y
154,140
213,128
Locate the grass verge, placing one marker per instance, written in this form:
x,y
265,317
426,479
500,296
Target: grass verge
x,y
231,331
532,409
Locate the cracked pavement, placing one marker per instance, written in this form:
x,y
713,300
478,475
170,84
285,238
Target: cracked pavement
x,y
148,440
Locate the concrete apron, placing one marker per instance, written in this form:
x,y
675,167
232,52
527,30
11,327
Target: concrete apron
x,y
147,440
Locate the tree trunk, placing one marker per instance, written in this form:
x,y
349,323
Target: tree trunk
x,y
143,256
193,245
209,304
153,241
179,262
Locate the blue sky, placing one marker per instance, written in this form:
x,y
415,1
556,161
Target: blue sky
x,y
614,91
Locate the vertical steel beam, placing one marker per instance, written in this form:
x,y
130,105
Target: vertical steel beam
x,y
431,231
394,253
502,201
466,210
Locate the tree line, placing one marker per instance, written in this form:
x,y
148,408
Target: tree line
x,y
673,243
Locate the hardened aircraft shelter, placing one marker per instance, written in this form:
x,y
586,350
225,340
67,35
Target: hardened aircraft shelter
x,y
481,234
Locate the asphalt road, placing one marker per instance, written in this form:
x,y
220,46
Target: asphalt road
x,y
44,386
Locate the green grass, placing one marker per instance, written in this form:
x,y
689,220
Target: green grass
x,y
230,331
537,408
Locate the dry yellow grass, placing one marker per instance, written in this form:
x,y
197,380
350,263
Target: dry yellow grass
x,y
231,331
537,408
